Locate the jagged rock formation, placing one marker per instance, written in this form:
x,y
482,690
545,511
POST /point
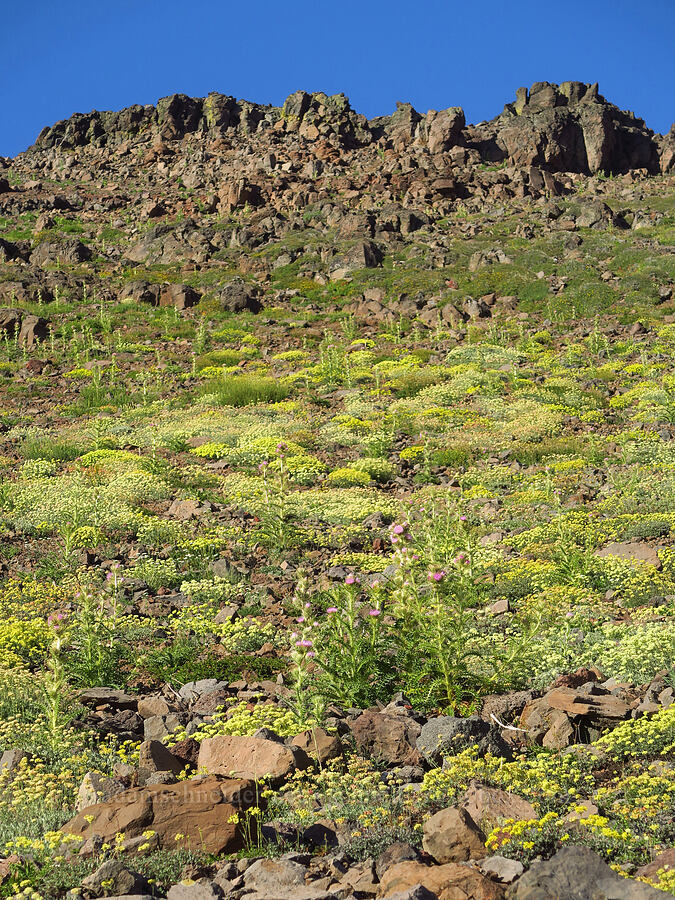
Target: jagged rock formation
x,y
169,176
566,128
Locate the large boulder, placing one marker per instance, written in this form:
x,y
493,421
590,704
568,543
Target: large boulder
x,y
250,757
10,321
452,836
114,879
180,296
444,128
203,810
33,331
452,881
489,805
70,251
448,735
576,873
318,745
238,296
389,739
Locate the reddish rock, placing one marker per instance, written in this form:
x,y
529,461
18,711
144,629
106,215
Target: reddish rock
x,y
390,739
452,836
249,757
665,860
488,805
449,882
200,809
318,745
632,550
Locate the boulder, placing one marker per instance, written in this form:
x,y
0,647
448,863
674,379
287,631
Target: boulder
x,y
155,757
451,835
141,292
194,890
388,738
448,882
239,296
489,805
665,860
200,809
444,129
10,321
503,870
318,745
114,878
250,757
97,788
33,331
576,873
394,854
448,735
267,876
179,296
632,550
70,251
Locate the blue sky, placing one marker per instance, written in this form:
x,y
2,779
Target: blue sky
x,y
57,58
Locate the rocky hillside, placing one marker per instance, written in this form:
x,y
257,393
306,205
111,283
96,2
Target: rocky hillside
x,y
337,478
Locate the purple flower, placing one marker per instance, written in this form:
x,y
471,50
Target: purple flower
x,y
436,576
350,579
300,619
311,654
462,518
305,642
373,612
332,609
398,529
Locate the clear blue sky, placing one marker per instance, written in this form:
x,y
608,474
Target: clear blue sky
x,y
58,57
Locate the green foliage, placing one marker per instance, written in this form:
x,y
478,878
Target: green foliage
x,y
244,390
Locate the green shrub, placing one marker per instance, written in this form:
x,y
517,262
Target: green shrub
x,y
245,390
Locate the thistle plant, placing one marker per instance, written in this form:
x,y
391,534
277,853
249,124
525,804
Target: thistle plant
x,y
55,681
349,646
275,525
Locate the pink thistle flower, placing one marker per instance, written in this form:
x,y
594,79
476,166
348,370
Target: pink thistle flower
x,y
332,609
300,619
373,612
350,579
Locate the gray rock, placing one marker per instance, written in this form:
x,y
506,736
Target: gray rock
x,y
194,890
448,735
268,875
416,892
114,877
576,873
502,869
